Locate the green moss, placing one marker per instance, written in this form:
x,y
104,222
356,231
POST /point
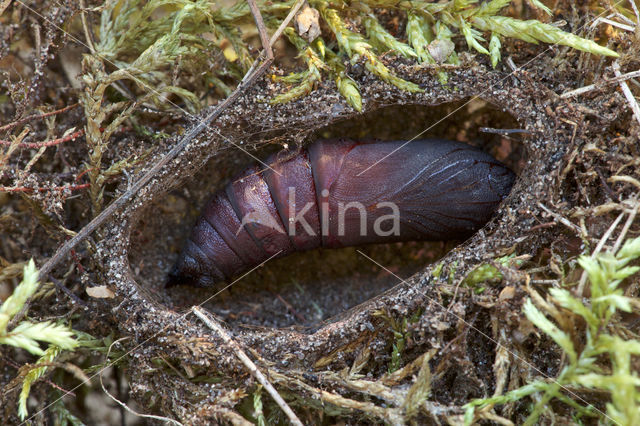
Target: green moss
x,y
401,333
604,361
152,42
429,32
27,334
489,272
173,52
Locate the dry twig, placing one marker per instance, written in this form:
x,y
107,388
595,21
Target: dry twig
x,y
590,87
44,189
253,369
561,219
633,104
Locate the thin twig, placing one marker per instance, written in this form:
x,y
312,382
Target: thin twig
x,y
628,179
87,33
606,235
503,131
620,16
561,219
262,29
69,293
277,34
613,23
627,92
53,142
603,240
291,308
253,369
286,21
37,116
626,226
635,11
590,87
122,404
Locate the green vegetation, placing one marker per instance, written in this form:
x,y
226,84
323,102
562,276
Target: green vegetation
x,y
26,334
430,30
163,47
490,272
160,58
603,359
401,333
159,44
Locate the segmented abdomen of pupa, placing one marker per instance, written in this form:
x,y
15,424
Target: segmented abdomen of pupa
x,y
340,193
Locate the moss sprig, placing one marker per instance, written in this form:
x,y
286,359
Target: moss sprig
x,y
420,36
400,327
42,365
150,42
583,367
305,80
533,31
383,40
27,334
430,30
202,38
317,58
355,44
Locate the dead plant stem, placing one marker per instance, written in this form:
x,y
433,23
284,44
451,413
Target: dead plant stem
x,y
253,369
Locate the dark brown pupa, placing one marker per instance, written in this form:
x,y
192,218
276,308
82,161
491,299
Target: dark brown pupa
x,y
327,196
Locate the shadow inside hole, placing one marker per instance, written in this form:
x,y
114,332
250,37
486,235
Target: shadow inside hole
x,y
307,288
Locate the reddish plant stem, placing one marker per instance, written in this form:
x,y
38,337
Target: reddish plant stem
x,y
53,142
84,172
36,116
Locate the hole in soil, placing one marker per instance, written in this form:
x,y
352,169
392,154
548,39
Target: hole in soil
x,y
307,288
